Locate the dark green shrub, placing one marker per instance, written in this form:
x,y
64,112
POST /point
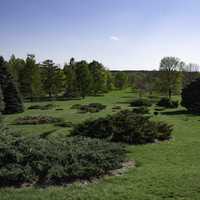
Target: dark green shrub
x,y
167,103
156,113
163,131
41,107
92,107
191,97
141,110
124,126
37,120
140,102
36,160
11,96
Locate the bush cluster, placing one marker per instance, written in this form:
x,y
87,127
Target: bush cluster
x,y
92,107
41,107
140,102
125,126
34,160
28,120
167,103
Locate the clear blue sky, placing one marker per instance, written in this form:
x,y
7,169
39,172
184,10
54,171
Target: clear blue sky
x,y
122,34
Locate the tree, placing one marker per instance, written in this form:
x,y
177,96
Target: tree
x,y
98,74
170,75
30,78
2,105
109,81
121,80
190,73
83,78
191,96
52,78
11,95
71,88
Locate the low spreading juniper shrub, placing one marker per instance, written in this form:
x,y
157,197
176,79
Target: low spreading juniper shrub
x,y
125,126
34,120
167,103
140,102
35,160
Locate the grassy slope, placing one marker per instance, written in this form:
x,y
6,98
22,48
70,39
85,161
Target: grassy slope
x,y
166,171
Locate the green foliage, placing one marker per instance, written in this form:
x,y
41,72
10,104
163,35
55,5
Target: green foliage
x,y
191,96
52,78
27,120
121,80
41,107
170,75
141,110
140,102
83,78
167,103
11,96
98,74
124,126
36,160
163,131
92,107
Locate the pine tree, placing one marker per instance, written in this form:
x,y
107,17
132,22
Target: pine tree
x,y
11,96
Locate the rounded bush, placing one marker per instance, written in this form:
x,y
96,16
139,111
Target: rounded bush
x,y
124,126
37,160
140,102
167,103
141,110
191,97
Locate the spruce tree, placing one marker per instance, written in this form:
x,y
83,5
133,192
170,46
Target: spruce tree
x,y
11,96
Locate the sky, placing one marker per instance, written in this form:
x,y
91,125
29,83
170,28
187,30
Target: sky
x,y
122,34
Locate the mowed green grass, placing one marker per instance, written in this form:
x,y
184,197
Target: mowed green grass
x,y
165,171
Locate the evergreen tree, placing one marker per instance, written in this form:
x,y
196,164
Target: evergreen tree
x,y
83,78
98,74
52,78
12,99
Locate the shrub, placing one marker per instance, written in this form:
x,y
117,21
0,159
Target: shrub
x,y
163,131
37,120
141,110
140,102
36,160
92,107
116,108
41,107
191,97
124,126
167,103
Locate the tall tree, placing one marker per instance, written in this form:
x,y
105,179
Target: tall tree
x,y
98,74
170,75
121,80
29,78
83,78
11,95
71,88
52,78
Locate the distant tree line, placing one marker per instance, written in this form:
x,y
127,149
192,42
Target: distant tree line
x,y
75,79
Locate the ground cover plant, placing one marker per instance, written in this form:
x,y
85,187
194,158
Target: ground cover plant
x,y
36,160
125,126
28,120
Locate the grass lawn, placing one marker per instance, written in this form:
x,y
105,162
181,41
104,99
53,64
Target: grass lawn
x,y
166,171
